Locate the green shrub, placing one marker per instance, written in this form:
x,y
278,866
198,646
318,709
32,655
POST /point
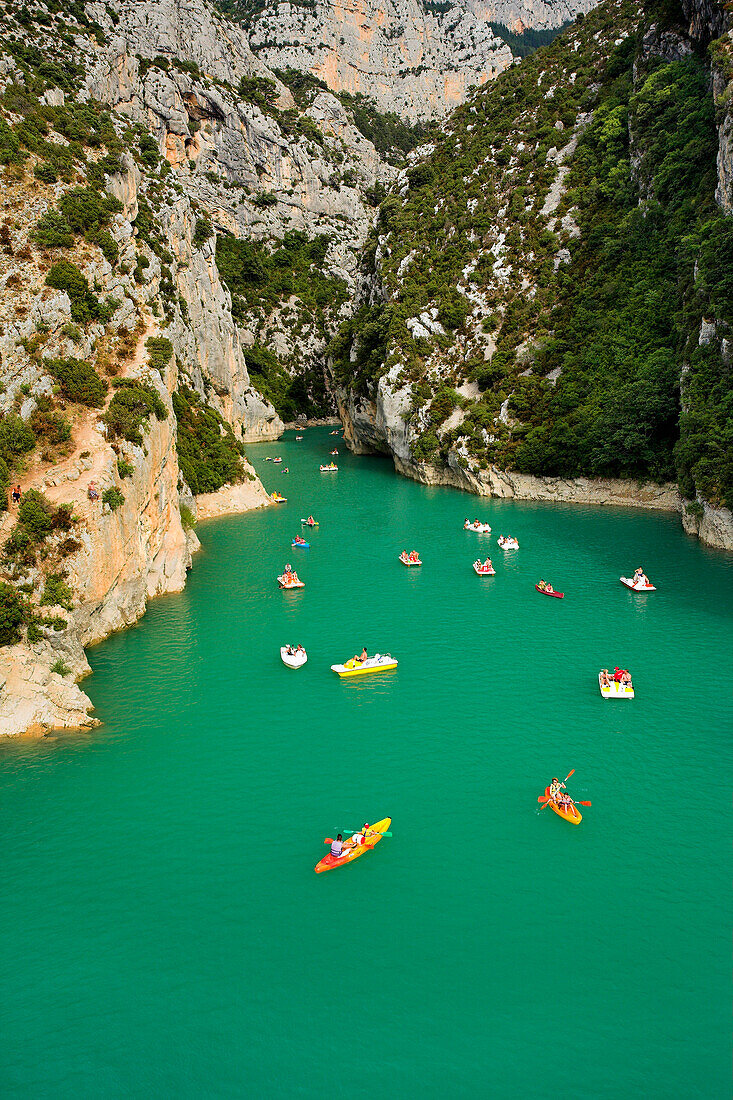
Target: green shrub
x,y
113,497
35,515
106,242
208,453
53,231
78,381
60,667
14,614
48,425
204,230
85,307
188,519
124,468
16,437
160,352
85,208
56,592
265,199
130,410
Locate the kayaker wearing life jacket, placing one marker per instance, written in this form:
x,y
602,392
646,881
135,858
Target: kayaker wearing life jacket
x,y
360,838
556,789
337,847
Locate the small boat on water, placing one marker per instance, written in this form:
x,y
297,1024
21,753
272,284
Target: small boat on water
x,y
612,688
301,543
310,522
298,438
330,468
290,580
334,451
570,813
293,656
352,851
637,586
483,569
408,559
479,528
550,592
277,499
335,431
380,662
507,543
277,460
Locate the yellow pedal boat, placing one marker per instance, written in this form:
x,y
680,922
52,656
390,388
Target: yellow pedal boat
x,y
379,663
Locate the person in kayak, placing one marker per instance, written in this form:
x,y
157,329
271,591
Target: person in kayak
x,y
359,838
337,847
311,521
556,789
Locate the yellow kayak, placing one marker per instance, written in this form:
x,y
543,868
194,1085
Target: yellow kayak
x,y
373,836
378,663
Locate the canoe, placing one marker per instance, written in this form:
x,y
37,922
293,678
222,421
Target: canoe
x,y
290,584
300,545
378,663
408,563
480,529
557,595
308,524
484,572
629,582
293,660
615,690
572,814
373,837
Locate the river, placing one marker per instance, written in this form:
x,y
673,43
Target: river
x,y
164,932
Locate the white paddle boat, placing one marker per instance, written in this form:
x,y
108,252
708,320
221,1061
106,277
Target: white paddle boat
x,y
293,656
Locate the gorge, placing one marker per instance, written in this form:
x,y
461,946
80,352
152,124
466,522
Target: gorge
x,y
207,229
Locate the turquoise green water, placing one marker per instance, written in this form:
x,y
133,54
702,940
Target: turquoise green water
x,y
163,930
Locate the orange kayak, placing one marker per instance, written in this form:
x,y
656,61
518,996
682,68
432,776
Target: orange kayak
x,y
374,835
571,814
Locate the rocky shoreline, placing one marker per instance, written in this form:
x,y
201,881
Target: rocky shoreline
x,y
371,427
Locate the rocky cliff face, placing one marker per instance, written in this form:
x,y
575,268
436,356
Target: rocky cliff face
x,y
415,58
153,131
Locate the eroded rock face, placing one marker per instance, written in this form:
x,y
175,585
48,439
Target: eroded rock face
x,y
417,59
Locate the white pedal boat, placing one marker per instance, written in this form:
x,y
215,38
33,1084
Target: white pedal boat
x,y
330,469
629,582
479,528
378,663
480,568
508,544
295,659
614,690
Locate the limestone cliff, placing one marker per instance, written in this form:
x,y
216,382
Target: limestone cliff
x,y
412,57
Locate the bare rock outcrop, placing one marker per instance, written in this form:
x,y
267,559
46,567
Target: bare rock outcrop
x,y
416,59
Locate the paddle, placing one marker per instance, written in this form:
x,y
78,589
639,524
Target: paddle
x,y
563,783
575,801
352,831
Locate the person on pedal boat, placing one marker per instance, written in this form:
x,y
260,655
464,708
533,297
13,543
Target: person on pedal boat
x,y
605,682
337,847
362,659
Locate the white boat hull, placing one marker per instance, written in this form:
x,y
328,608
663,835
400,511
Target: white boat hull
x,y
293,660
629,583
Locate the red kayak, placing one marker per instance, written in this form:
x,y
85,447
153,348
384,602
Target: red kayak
x,y
557,595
